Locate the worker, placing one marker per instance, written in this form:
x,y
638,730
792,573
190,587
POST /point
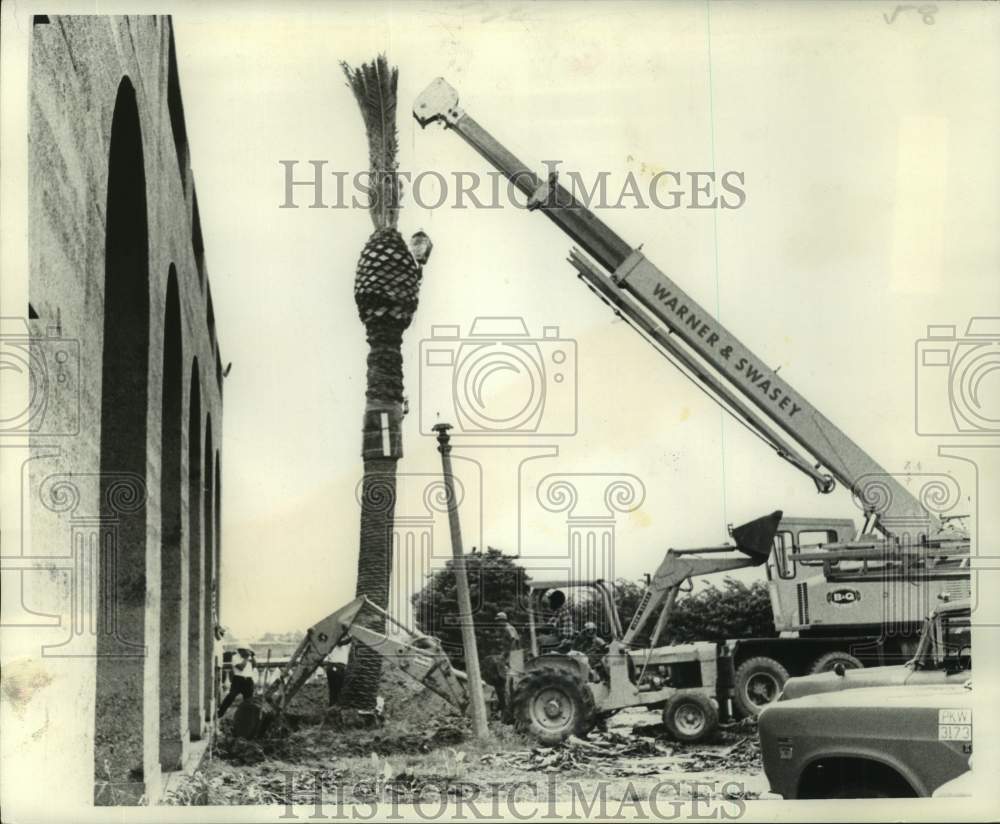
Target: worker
x,y
243,677
594,647
562,620
509,640
585,640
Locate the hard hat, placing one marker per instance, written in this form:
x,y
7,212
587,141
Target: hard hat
x,y
501,616
590,625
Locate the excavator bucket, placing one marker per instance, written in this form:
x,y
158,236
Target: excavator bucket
x,y
755,539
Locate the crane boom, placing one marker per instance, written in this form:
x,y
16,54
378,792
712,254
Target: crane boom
x,y
626,308
655,301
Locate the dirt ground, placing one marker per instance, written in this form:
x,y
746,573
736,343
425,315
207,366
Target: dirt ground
x,y
423,749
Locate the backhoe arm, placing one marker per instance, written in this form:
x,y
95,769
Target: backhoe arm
x,y
419,656
753,539
321,639
423,660
675,569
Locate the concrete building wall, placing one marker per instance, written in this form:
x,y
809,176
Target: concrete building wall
x,y
125,452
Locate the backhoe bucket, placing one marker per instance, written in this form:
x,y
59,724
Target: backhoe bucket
x,y
252,718
755,539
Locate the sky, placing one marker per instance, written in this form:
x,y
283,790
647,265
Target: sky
x,y
867,159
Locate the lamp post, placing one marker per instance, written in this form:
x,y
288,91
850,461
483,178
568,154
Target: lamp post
x,y
477,703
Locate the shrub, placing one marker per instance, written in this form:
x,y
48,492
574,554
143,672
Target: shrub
x,y
497,583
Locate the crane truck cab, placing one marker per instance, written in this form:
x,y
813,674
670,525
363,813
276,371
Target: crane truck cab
x,y
842,601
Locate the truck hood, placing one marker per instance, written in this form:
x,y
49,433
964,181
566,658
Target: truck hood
x,y
929,695
825,682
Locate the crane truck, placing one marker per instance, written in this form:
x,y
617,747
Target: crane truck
x,y
840,596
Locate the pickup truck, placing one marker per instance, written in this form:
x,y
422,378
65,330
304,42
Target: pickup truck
x,y
876,742
943,656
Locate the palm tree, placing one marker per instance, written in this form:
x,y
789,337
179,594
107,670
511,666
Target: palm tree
x,y
386,289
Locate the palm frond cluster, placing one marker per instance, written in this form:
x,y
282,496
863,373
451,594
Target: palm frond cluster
x,y
387,280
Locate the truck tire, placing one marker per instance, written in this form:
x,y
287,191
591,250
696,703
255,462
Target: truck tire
x,y
758,683
690,716
826,662
552,704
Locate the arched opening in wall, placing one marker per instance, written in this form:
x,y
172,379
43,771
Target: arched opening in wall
x,y
211,315
120,707
173,644
197,241
176,108
196,564
218,531
211,574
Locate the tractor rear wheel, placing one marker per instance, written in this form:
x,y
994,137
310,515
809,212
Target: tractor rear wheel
x,y
826,663
690,716
552,704
758,683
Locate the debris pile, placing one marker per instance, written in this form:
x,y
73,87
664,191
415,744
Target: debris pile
x,y
608,753
424,749
614,754
742,756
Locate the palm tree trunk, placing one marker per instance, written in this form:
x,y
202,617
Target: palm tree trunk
x,y
381,450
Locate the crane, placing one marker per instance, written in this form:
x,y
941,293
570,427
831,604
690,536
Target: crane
x,y
834,592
